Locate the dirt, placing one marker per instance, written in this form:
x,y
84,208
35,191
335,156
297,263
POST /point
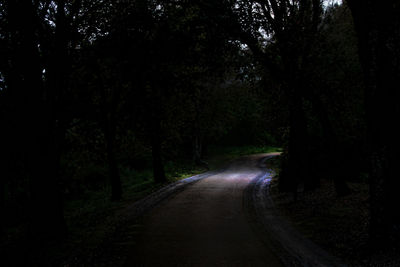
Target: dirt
x,y
204,225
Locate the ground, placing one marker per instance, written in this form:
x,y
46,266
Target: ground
x,y
204,225
337,224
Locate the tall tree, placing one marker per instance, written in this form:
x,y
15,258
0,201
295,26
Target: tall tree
x,y
103,63
377,26
139,38
110,98
281,35
37,122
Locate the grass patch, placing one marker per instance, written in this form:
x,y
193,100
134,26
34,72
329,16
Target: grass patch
x,y
182,169
221,155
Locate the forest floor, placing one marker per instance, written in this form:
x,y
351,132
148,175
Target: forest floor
x,y
337,224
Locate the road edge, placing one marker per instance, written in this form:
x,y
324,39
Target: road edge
x,y
276,232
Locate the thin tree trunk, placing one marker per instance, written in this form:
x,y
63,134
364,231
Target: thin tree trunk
x,y
197,136
109,124
5,154
109,103
115,179
2,198
158,167
154,126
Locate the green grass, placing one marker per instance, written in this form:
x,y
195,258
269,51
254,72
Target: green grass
x,y
221,155
182,169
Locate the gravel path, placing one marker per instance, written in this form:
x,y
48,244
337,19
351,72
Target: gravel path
x,y
204,225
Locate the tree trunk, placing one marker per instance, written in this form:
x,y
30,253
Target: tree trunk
x,y
297,158
4,173
110,97
5,154
158,167
115,179
377,26
46,201
331,146
109,124
46,212
154,128
196,148
197,135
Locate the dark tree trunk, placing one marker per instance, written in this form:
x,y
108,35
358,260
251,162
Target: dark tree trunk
x,y
158,167
197,134
4,171
197,149
294,57
297,148
294,40
109,124
46,212
297,158
2,207
46,199
5,154
196,131
331,145
377,26
154,127
110,136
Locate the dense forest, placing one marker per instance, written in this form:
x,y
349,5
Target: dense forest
x,y
99,98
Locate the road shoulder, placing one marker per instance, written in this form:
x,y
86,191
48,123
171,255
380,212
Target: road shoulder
x,y
289,244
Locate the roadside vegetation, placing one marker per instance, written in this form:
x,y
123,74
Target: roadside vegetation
x,y
339,224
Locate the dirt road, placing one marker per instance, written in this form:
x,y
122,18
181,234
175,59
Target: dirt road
x,y
204,225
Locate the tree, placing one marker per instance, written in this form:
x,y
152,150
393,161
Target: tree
x,y
281,35
143,41
169,48
36,80
34,107
338,99
95,94
200,50
109,88
377,26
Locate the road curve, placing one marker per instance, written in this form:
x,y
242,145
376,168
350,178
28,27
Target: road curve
x,y
204,225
